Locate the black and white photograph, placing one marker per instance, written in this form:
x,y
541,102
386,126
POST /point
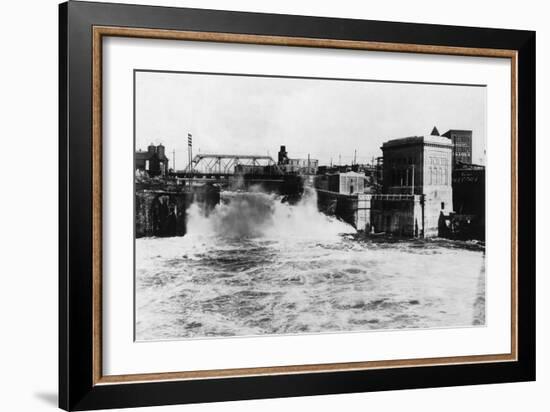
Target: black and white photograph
x,y
273,206
269,205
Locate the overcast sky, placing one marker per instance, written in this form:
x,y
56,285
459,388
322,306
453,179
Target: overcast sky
x,y
325,118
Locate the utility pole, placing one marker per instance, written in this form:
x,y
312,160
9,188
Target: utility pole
x,y
308,172
174,159
190,150
412,187
190,154
355,157
339,160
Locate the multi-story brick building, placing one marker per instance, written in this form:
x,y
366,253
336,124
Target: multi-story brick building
x,y
462,145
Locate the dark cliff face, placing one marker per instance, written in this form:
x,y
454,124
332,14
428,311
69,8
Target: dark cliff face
x,y
163,212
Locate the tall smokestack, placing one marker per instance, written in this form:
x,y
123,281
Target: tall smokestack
x,y
283,156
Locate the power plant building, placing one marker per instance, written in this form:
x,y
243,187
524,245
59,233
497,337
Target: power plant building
x,y
417,194
421,167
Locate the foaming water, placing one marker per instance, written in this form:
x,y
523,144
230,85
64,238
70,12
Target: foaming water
x,y
246,215
258,266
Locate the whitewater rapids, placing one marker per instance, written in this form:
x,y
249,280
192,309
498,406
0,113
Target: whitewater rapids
x,y
257,266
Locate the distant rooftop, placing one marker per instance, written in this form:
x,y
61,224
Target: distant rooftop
x,y
405,141
448,132
351,173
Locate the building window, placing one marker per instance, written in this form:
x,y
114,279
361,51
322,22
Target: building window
x,y
442,205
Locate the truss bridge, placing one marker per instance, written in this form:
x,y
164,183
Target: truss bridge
x,y
220,167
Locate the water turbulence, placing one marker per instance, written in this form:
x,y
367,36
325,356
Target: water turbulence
x,y
254,214
256,265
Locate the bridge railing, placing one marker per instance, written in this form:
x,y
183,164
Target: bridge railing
x,y
395,197
226,164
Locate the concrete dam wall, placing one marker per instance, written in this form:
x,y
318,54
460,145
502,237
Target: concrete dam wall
x,y
400,215
352,209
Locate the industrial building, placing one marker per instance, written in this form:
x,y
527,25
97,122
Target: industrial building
x,y
469,200
153,162
296,166
417,190
462,145
256,169
349,183
416,198
420,187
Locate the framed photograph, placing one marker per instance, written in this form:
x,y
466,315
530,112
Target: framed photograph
x,y
256,205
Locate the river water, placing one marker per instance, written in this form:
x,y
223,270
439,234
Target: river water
x,y
258,266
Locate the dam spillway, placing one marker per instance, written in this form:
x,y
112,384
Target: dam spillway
x,y
162,205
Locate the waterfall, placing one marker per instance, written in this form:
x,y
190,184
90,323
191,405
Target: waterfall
x,y
255,214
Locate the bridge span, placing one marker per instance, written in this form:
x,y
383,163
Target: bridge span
x,y
230,164
234,170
